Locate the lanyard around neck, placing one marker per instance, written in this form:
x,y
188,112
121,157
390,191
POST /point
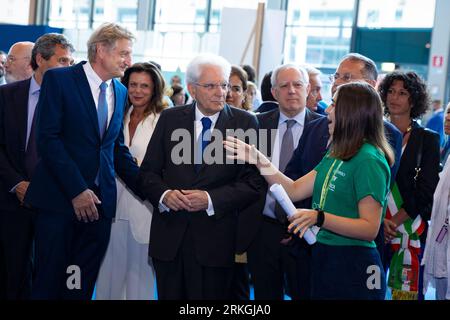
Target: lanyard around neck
x,y
326,184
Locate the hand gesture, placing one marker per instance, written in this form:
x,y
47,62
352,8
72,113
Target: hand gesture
x,y
390,230
85,206
175,200
21,190
198,199
302,220
241,150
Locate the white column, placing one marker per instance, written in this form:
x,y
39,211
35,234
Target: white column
x,y
438,65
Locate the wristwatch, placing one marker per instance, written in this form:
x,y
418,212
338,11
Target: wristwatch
x,y
320,218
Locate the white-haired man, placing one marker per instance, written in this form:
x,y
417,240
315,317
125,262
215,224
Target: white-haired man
x,y
192,239
315,94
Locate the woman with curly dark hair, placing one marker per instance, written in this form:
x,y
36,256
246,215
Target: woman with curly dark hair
x,y
410,202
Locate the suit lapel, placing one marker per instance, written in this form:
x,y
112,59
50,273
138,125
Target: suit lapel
x,y
21,103
309,116
187,121
272,124
86,95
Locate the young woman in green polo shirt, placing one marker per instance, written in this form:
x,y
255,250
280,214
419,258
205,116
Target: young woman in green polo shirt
x,y
349,189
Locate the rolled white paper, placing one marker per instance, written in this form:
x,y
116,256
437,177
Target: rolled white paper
x,y
283,199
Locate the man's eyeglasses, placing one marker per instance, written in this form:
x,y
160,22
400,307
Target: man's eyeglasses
x,y
12,59
211,86
346,77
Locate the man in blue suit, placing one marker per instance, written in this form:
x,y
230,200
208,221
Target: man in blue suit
x,y
17,146
80,145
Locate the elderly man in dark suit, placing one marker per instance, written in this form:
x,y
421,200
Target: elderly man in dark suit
x,y
18,159
263,228
80,143
198,194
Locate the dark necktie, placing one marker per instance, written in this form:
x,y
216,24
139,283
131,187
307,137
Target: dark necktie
x,y
203,140
102,109
286,151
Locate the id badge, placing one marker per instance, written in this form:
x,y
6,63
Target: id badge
x,y
442,233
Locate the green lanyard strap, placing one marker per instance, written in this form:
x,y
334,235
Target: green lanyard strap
x,y
327,182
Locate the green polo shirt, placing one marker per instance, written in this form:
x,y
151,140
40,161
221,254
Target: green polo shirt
x,y
366,174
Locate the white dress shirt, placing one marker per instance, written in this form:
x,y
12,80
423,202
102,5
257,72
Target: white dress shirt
x,y
297,131
94,83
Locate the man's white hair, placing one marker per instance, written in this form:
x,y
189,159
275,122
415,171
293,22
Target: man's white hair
x,y
312,71
276,71
195,67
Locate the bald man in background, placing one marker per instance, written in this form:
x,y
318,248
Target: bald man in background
x,y
2,67
18,64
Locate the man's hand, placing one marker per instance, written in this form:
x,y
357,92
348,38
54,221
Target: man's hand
x,y
21,190
198,199
176,201
84,205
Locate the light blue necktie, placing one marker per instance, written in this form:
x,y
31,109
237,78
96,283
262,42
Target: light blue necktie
x,y
102,112
102,109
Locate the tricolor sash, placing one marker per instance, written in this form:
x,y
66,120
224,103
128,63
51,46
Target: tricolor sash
x,y
404,267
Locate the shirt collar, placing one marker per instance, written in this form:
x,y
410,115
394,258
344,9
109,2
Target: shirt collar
x,y
34,86
93,76
299,118
199,115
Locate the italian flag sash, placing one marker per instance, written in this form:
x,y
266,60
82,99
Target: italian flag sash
x,y
404,267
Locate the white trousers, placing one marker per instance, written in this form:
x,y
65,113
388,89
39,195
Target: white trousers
x,y
126,272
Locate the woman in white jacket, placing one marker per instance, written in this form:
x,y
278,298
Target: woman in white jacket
x,y
127,271
437,250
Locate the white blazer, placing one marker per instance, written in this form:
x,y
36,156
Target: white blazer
x,y
129,206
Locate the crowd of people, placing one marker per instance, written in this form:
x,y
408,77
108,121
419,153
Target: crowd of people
x,y
113,178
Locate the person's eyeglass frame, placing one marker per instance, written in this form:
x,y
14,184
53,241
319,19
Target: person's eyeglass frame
x,y
346,77
12,59
225,86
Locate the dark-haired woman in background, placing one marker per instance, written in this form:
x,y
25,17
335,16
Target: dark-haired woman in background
x,y
406,99
349,188
178,96
237,93
127,272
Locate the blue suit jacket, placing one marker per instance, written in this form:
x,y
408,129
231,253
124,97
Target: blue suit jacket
x,y
70,147
312,147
